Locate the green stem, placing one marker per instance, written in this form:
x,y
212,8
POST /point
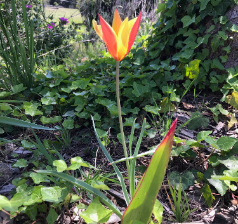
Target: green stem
x,y
120,118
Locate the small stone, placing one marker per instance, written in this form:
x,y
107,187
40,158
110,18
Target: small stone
x,y
113,219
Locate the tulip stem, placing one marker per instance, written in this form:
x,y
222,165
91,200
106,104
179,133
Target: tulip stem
x,y
120,118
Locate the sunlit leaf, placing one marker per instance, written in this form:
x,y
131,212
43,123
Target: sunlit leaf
x,y
142,203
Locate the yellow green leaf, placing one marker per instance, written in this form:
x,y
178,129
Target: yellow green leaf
x,y
232,121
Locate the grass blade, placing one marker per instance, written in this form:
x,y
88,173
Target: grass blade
x,y
24,124
119,175
133,163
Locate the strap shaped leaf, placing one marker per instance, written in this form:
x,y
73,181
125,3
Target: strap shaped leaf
x,y
141,205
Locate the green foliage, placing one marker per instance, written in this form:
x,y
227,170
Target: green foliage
x,y
180,208
17,53
96,213
185,180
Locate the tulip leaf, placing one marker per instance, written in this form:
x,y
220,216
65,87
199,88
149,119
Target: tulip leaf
x,y
142,203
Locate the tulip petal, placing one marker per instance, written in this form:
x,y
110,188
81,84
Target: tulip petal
x,y
116,22
109,37
122,40
131,24
98,29
133,32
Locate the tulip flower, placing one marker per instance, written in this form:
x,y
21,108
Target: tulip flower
x,y
120,37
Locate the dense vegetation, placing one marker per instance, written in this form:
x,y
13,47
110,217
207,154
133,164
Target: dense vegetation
x,y
55,77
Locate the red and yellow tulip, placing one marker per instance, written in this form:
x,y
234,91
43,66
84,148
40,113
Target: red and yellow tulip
x,y
120,37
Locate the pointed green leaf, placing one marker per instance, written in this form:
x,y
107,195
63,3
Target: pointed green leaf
x,y
99,185
207,194
192,69
142,203
187,20
25,124
51,194
158,211
37,178
20,163
203,4
60,165
80,161
225,143
96,213
17,200
83,185
52,216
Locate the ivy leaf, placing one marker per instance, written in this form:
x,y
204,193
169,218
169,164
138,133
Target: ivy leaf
x,y
220,186
37,178
101,133
105,102
207,194
215,2
82,83
50,120
234,28
60,165
187,20
161,7
231,163
186,179
224,58
139,57
151,133
230,175
16,201
152,109
96,213
179,150
99,185
197,121
203,4
52,216
114,110
51,194
158,211
215,42
202,135
27,145
192,69
80,161
226,142
212,27
227,49
68,124
31,211
212,142
138,89
20,163
18,88
223,35
31,109
217,64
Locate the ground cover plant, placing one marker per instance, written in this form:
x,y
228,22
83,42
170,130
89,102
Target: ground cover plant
x,y
60,134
